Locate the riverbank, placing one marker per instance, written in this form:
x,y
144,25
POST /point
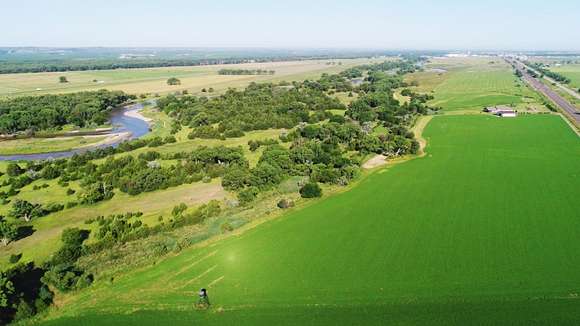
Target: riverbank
x,y
128,123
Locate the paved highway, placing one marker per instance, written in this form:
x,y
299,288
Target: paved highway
x,y
548,92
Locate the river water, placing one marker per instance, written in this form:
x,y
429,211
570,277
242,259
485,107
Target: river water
x,y
121,123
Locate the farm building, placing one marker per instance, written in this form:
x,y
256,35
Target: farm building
x,y
501,111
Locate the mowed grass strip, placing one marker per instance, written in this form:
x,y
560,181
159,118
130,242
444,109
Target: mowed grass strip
x,y
474,231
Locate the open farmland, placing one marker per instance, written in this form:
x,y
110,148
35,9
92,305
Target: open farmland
x,y
471,83
154,80
571,71
483,229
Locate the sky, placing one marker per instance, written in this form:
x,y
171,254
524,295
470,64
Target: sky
x,y
401,24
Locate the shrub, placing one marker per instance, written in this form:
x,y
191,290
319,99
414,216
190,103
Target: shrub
x,y
14,258
70,191
226,227
248,195
311,190
285,203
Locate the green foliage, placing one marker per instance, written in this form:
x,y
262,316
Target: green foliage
x,y
54,111
26,210
248,195
8,231
14,258
71,249
311,190
6,290
226,227
178,210
13,170
258,107
173,81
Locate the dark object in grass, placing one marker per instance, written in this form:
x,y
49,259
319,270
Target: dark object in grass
x,y
203,300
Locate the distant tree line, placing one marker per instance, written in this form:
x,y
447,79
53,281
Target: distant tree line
x,y
546,71
33,113
245,72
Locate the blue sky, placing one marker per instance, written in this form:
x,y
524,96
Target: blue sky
x,y
401,24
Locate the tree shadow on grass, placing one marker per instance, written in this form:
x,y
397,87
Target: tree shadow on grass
x,y
24,231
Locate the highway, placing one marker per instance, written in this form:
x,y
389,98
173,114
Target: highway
x,y
548,92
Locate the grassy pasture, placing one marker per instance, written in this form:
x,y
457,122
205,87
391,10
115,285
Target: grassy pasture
x,y
154,80
47,230
482,230
472,83
46,145
571,71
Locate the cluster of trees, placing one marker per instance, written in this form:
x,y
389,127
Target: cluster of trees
x,y
62,273
245,72
23,293
32,113
173,81
546,71
122,228
258,107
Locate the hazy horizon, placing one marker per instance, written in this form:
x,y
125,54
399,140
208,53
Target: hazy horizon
x,y
414,25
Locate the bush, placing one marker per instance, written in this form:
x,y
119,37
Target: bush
x,y
311,190
24,311
285,203
248,195
226,227
70,191
14,258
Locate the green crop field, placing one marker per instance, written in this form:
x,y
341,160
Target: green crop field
x,y
571,71
472,83
483,229
154,80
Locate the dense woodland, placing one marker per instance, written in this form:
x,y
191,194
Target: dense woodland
x,y
34,113
325,142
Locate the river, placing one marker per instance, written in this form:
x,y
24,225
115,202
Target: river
x,y
121,123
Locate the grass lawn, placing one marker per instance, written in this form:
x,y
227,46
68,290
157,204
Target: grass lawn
x,y
472,83
154,80
484,229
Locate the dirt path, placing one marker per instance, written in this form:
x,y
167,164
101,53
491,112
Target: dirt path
x,y
374,162
418,129
420,124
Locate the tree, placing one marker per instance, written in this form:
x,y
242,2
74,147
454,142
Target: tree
x,y
62,79
14,170
6,290
173,81
248,195
311,190
178,210
25,210
7,231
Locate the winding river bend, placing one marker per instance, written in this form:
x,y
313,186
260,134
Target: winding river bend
x,y
122,123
